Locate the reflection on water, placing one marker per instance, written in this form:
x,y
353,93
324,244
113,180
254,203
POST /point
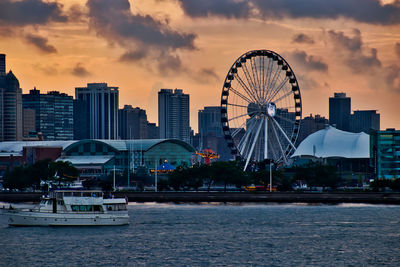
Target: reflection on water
x,y
217,234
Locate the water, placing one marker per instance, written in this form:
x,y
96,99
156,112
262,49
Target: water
x,y
217,235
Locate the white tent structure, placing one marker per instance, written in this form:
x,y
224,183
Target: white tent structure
x,y
333,143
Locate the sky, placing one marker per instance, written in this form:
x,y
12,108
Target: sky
x,y
141,46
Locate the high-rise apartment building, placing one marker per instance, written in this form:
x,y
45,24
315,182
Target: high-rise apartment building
x,y
210,121
10,104
28,121
311,124
210,132
98,103
132,123
339,111
53,114
152,131
365,121
173,114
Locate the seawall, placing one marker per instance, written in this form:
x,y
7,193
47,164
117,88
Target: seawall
x,y
196,197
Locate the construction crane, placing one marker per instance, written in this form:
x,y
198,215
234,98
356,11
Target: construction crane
x,y
208,154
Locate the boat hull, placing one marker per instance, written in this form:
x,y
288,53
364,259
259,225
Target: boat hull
x,y
29,218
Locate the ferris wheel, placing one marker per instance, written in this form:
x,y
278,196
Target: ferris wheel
x,y
261,108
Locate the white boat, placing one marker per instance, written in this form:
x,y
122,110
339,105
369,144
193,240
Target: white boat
x,y
72,208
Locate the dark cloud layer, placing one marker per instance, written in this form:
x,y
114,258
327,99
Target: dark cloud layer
x,y
309,62
223,8
29,12
40,43
302,38
368,11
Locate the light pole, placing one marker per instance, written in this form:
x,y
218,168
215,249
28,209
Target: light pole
x,y
155,171
270,176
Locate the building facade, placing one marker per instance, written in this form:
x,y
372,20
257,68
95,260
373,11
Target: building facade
x,y
309,125
28,121
385,153
132,123
53,114
340,111
364,121
210,134
173,114
98,105
209,120
10,104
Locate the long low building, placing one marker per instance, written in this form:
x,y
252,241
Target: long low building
x,y
98,157
333,143
349,152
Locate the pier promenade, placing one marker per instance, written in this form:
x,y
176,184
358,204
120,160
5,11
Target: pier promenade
x,y
197,197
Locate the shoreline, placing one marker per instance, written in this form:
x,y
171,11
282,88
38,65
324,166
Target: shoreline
x,y
266,197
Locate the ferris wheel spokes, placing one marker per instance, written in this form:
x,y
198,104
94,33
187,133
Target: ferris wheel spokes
x,y
254,143
283,132
241,95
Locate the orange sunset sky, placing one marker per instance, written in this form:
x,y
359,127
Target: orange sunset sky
x,y
141,46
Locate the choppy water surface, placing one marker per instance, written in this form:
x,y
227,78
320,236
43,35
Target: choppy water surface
x,y
215,235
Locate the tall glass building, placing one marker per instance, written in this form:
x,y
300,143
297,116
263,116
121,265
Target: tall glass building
x,y
340,111
385,153
10,104
99,104
173,114
53,114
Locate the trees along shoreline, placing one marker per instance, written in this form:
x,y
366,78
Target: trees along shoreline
x,y
31,176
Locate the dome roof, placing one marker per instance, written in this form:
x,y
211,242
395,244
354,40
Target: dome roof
x,y
331,142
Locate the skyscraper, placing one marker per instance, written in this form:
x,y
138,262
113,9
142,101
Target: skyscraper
x,y
99,103
210,121
210,132
310,125
365,121
53,113
339,111
173,114
10,104
132,123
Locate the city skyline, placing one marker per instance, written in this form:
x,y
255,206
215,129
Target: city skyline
x,y
330,47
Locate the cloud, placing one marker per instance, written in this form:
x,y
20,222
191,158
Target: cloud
x,y
114,21
363,60
302,38
309,62
352,44
40,43
367,11
135,55
29,12
50,70
209,74
392,77
223,8
397,49
169,64
146,40
80,71
353,51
